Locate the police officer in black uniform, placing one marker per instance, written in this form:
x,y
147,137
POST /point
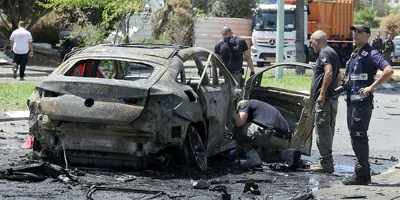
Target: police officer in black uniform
x,y
360,71
231,50
377,42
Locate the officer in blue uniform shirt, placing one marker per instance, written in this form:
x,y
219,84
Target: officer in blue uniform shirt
x,y
361,69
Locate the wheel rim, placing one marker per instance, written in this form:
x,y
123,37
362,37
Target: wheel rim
x,y
197,149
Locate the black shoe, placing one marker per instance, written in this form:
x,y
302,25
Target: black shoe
x,y
353,180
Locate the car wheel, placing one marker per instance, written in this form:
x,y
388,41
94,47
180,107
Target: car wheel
x,y
194,149
260,64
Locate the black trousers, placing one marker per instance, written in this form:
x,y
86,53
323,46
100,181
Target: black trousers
x,y
22,61
358,118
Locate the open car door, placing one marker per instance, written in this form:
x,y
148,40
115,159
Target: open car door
x,y
296,107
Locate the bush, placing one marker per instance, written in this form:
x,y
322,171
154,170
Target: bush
x,y
392,23
175,22
46,33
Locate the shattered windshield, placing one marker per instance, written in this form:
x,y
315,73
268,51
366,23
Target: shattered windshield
x,y
267,20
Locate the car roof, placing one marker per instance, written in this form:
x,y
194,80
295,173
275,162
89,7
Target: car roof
x,y
160,51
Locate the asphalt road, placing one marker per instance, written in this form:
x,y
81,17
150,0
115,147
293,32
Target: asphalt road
x,y
177,181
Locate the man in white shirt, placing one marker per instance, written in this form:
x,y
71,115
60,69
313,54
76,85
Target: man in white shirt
x,y
21,45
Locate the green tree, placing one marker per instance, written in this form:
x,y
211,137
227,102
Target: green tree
x,y
175,22
111,9
382,8
21,10
392,23
233,8
364,16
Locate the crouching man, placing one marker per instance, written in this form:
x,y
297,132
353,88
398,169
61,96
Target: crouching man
x,y
258,124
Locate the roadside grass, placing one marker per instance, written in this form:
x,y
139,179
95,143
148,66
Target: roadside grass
x,y
13,96
290,81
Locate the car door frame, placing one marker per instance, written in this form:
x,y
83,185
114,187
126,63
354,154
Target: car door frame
x,y
303,132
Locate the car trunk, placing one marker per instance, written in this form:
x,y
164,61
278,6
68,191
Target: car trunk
x,y
92,100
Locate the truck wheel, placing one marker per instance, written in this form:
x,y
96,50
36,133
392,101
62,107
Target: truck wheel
x,y
194,149
260,64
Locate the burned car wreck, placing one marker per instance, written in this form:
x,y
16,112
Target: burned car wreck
x,y
134,104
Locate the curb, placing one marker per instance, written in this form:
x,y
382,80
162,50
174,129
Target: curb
x,y
36,74
14,116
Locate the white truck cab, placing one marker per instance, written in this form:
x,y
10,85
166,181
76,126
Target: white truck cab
x,y
263,49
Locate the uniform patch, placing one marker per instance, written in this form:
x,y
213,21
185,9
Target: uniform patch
x,y
359,77
364,53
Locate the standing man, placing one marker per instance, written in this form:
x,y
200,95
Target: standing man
x,y
230,50
21,43
388,48
65,37
377,42
326,101
360,72
260,124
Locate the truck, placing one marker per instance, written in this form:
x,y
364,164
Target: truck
x,y
331,16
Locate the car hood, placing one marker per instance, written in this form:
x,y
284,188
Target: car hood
x,y
92,100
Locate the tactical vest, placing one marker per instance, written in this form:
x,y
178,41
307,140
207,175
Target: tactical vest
x,y
231,52
377,44
356,73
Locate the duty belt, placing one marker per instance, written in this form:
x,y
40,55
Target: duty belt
x,y
272,132
235,71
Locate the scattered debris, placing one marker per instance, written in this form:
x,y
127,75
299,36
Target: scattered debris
x,y
201,184
389,107
393,159
394,100
251,187
397,167
354,197
95,188
1,131
126,178
291,157
385,118
304,195
217,182
31,173
220,188
380,193
394,114
3,138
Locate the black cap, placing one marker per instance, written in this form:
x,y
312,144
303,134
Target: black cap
x,y
361,28
226,30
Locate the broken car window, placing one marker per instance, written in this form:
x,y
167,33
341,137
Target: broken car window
x,y
110,69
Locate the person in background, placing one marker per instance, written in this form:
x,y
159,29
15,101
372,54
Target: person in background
x,y
231,50
65,37
388,48
377,42
22,46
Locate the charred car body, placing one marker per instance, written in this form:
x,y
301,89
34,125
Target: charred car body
x,y
130,105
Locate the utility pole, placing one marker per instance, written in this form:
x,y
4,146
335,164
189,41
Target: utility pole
x,y
280,37
300,48
373,6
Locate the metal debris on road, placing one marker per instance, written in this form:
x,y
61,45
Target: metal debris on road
x,y
220,188
389,107
251,187
126,178
201,184
95,188
394,114
393,159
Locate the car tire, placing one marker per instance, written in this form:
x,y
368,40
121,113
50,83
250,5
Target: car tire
x,y
260,64
194,149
